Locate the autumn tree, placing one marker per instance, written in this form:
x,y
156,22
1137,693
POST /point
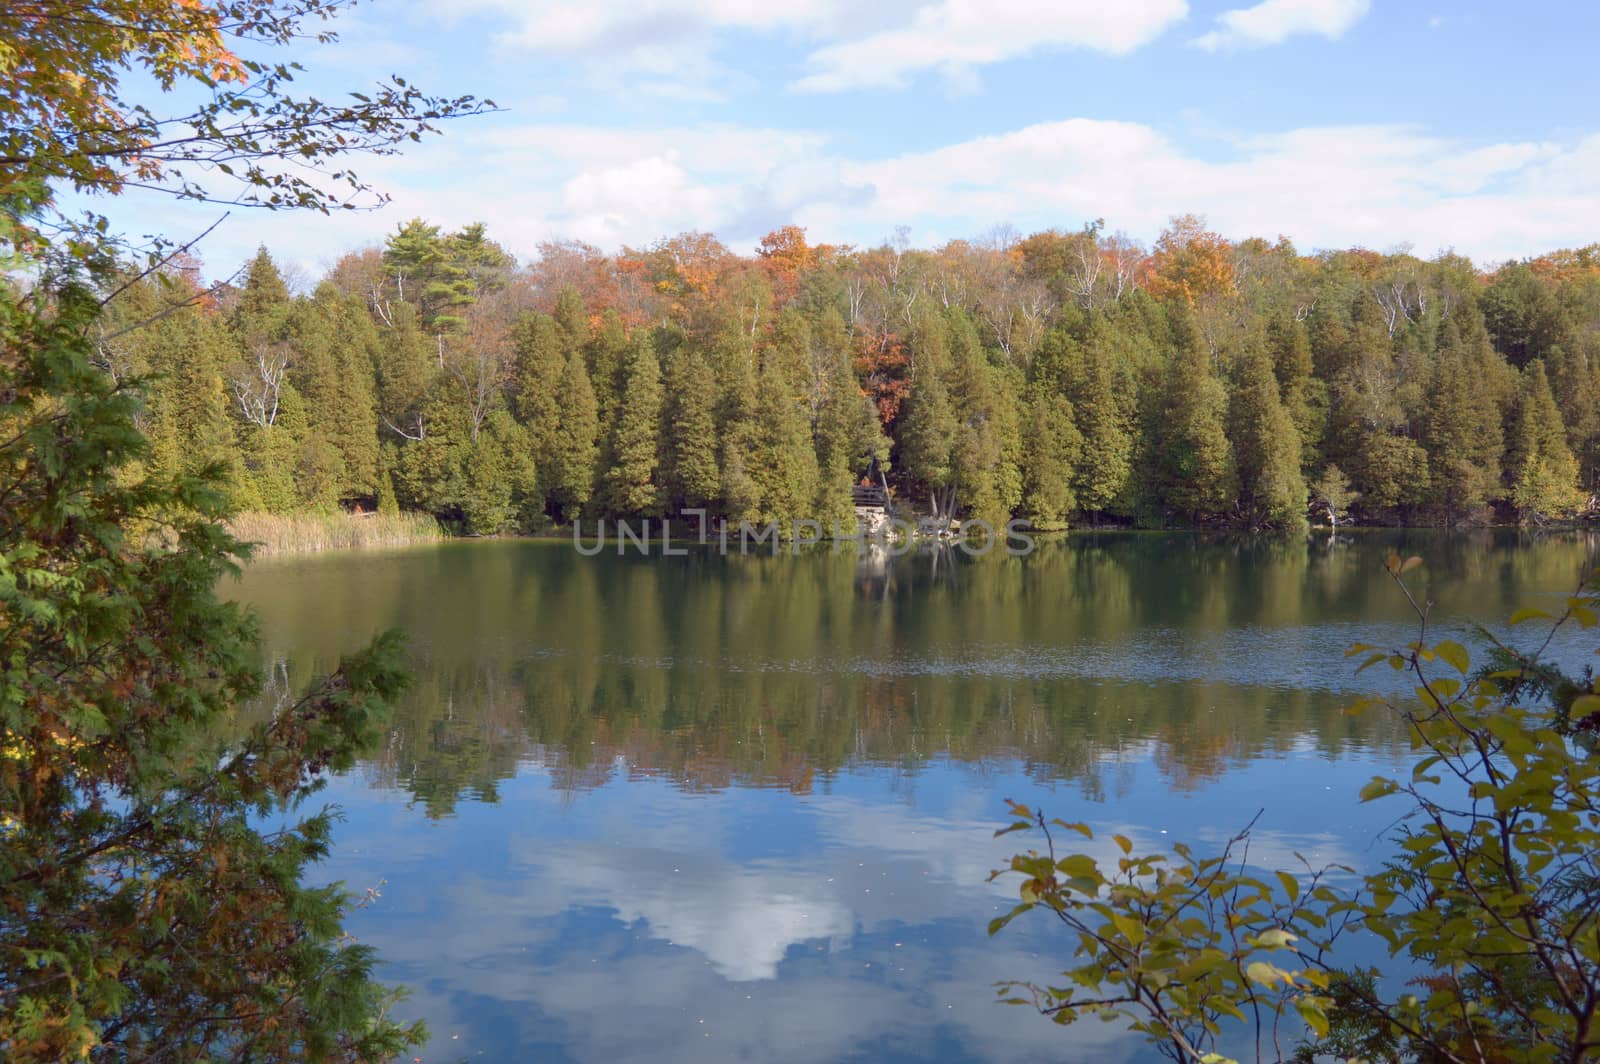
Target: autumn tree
x,y
81,125
144,911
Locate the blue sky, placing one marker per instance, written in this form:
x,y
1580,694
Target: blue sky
x,y
1438,124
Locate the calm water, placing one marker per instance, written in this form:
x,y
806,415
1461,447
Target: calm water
x,y
703,808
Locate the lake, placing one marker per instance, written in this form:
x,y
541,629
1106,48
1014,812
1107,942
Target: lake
x,y
741,808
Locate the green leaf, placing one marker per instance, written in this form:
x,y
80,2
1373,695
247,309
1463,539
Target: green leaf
x,y
1528,613
1311,1010
1455,655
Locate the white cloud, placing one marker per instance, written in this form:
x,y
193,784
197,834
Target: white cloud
x,y
1327,186
1274,21
956,36
558,27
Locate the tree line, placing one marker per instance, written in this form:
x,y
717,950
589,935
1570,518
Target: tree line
x,y
1068,378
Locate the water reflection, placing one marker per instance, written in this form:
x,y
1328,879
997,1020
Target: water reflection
x,y
704,807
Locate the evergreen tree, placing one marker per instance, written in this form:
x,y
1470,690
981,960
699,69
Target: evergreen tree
x,y
1051,450
630,485
486,265
784,466
847,433
188,416
355,431
1577,392
1105,410
421,263
736,426
408,372
498,475
1272,493
134,785
1367,427
573,318
979,455
927,423
607,354
541,361
1298,389
264,298
1461,430
691,473
1541,469
1194,465
574,454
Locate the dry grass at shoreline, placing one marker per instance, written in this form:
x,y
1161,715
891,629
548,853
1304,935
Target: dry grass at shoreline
x,y
276,535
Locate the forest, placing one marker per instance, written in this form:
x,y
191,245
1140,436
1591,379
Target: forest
x,y
1069,378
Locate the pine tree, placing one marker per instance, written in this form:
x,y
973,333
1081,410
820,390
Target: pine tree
x,y
426,273
629,486
314,372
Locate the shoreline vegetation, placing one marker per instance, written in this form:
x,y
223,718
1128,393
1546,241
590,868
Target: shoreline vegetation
x,y
281,535
300,535
1066,378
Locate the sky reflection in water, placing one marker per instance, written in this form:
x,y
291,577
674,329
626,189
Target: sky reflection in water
x,y
743,809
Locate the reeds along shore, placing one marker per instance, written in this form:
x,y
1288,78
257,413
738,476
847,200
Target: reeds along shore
x,y
282,534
